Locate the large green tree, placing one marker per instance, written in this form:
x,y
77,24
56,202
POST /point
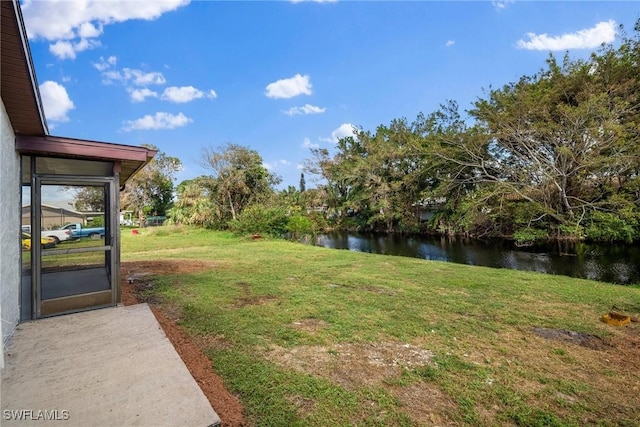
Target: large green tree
x,y
150,190
382,177
87,198
384,173
565,141
195,204
238,178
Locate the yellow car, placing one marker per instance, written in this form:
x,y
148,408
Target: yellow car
x,y
46,242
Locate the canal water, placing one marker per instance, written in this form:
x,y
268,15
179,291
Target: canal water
x,y
614,263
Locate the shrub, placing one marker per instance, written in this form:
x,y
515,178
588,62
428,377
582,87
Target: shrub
x,y
96,221
609,227
258,219
300,226
529,235
319,220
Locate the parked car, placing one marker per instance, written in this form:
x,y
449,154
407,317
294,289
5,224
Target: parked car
x,y
57,235
46,242
78,231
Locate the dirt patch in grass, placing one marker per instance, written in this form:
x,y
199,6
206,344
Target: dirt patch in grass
x,y
352,365
425,404
136,277
140,269
585,340
599,373
248,299
625,349
213,342
311,326
302,404
377,290
620,349
559,369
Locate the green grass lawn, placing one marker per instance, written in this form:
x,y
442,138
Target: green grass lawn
x,y
314,336
71,260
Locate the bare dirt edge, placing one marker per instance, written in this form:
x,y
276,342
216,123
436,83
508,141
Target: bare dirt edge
x,y
227,406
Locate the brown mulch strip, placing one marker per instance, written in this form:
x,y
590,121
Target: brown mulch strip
x,y
227,406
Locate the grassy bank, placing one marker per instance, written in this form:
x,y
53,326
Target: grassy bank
x,y
314,336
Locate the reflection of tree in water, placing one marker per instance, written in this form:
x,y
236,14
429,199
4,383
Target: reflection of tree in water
x,y
607,263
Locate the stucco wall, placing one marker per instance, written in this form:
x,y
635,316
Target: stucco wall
x,y
9,231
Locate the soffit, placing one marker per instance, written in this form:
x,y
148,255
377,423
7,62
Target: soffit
x,y
18,84
130,158
21,98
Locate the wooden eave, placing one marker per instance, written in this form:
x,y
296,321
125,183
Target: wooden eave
x,y
22,101
18,84
130,158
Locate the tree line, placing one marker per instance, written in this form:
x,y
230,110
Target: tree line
x,y
553,155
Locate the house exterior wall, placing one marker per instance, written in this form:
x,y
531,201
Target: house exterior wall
x,y
9,231
53,218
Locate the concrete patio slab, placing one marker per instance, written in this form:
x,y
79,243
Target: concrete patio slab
x,y
108,367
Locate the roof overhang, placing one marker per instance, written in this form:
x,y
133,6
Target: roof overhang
x,y
130,158
21,98
19,88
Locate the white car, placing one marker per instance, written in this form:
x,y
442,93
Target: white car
x,y
57,235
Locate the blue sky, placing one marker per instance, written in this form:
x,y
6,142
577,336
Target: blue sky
x,y
281,76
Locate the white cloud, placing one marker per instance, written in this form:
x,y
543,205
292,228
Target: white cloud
x,y
133,76
136,82
140,78
56,101
185,94
288,88
139,95
129,77
62,50
67,50
306,109
345,130
450,43
88,30
160,120
501,4
85,44
75,21
308,144
105,64
276,164
602,32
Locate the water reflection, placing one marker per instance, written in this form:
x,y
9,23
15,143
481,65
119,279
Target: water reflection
x,y
608,263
